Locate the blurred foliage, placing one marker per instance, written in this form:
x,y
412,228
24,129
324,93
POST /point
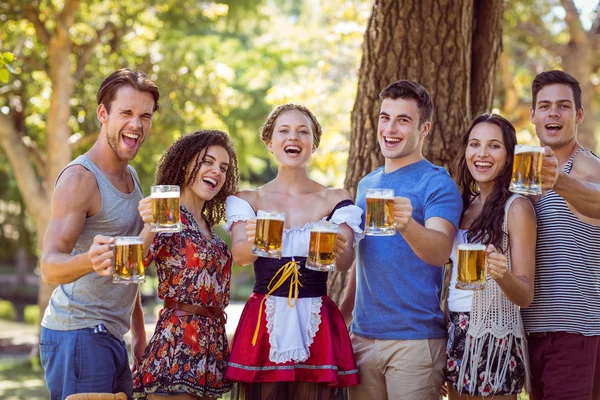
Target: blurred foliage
x,y
5,59
7,310
535,38
225,65
220,65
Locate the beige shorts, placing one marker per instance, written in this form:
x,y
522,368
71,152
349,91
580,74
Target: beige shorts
x,y
398,369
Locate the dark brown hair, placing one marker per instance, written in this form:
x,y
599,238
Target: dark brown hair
x,y
487,227
554,77
411,90
269,126
125,77
173,166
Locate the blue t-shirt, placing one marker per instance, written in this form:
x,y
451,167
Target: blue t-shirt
x,y
397,293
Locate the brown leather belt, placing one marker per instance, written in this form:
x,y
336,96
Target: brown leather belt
x,y
183,309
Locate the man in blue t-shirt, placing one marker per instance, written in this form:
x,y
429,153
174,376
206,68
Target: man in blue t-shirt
x,y
398,330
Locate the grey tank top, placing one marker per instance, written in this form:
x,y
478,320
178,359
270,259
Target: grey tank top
x,y
94,299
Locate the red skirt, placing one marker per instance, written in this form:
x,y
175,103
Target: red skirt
x,y
331,358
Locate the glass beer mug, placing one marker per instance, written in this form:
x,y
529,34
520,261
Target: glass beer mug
x,y
321,251
128,260
380,212
268,241
471,266
527,170
165,208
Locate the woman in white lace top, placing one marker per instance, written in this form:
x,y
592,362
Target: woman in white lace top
x,y
486,350
286,345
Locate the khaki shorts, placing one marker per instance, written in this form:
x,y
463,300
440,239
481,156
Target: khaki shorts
x,y
398,369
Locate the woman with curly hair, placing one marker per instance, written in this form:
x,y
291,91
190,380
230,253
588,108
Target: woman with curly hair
x,y
292,342
487,354
187,355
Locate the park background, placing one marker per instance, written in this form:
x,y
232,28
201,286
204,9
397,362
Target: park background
x,y
225,65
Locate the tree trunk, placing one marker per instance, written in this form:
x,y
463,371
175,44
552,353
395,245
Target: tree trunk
x,y
579,61
431,42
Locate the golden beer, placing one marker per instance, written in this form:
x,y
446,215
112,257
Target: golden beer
x,y
269,234
165,209
527,170
129,261
321,251
471,272
380,212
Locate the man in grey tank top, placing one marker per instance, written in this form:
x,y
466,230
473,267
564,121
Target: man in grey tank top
x,y
96,198
563,322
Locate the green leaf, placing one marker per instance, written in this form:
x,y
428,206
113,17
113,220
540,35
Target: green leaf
x,y
8,57
4,75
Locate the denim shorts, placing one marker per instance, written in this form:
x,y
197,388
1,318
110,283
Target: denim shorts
x,y
84,361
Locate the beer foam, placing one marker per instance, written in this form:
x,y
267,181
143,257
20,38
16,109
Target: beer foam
x,y
471,246
125,240
270,215
324,229
528,149
386,194
165,195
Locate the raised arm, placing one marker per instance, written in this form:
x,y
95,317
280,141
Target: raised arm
x,y
242,238
344,251
432,243
145,209
580,188
75,196
518,284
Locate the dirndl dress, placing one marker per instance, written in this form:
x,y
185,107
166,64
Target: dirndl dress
x,y
279,341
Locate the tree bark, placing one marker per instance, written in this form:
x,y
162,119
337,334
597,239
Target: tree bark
x,y
436,43
487,47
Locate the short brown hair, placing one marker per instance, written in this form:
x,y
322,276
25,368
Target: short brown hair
x,y
411,90
555,77
126,77
269,126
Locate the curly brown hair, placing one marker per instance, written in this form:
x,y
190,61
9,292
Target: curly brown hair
x,y
488,226
269,126
173,165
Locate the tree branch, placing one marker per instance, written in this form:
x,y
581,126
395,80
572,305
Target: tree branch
x,y
32,13
511,99
86,51
542,36
578,33
67,15
29,185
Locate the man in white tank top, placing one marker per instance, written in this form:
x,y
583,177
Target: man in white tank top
x,y
96,198
563,322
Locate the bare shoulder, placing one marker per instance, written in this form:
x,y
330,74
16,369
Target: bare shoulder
x,y
76,185
586,167
336,195
251,196
521,212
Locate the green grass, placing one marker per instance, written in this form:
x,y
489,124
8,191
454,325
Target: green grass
x,y
20,379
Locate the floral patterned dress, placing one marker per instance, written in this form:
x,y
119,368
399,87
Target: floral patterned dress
x,y
187,354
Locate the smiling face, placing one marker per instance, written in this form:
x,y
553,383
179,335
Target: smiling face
x,y
555,117
292,142
211,174
128,122
486,153
398,132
